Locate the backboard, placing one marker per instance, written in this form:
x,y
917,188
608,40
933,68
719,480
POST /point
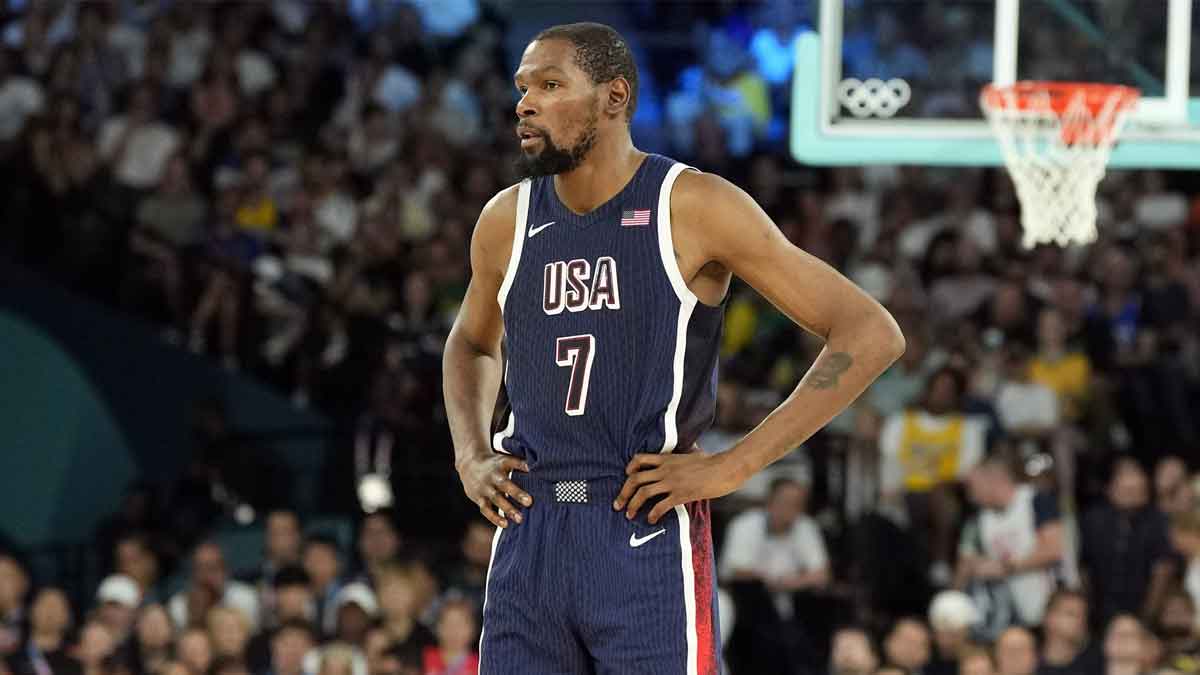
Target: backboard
x,y
898,81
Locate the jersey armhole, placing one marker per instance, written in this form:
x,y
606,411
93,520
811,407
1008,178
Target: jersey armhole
x,y
666,245
518,242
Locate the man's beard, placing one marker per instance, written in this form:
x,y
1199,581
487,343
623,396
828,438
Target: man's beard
x,y
553,159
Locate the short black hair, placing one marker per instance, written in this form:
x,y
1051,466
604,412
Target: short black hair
x,y
601,52
299,625
291,575
781,482
323,539
1065,594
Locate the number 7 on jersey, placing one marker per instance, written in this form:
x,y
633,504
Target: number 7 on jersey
x,y
576,351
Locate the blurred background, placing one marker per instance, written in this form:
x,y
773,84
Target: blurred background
x,y
234,237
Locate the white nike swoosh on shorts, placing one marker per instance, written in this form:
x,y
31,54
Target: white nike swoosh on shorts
x,y
635,541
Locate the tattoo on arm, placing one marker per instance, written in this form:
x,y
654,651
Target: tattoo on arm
x,y
825,375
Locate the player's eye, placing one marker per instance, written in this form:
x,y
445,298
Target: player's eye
x,y
522,89
551,84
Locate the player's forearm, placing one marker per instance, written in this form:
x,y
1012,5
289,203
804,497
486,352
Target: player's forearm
x,y
471,382
855,354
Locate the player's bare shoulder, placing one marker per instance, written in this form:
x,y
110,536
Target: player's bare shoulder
x,y
706,212
491,242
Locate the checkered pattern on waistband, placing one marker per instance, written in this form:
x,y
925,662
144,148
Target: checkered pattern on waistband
x,y
573,491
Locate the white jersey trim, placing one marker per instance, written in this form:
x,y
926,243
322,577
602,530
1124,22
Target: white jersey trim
x,y
687,302
486,582
666,246
518,242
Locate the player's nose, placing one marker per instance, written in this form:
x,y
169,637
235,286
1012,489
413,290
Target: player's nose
x,y
525,107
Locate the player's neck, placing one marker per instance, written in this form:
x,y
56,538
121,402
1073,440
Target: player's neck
x,y
607,169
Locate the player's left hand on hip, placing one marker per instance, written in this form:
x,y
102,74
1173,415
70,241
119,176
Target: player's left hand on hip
x,y
678,478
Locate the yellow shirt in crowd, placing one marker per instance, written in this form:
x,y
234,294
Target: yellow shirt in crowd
x,y
1068,377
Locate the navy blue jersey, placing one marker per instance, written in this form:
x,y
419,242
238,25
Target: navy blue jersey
x,y
607,352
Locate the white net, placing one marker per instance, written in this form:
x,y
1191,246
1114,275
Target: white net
x,y
1056,143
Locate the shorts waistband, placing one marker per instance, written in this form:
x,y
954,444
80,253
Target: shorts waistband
x,y
601,490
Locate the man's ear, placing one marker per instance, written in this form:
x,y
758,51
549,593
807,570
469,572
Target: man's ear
x,y
619,93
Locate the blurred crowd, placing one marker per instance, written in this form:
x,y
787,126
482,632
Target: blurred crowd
x,y
289,188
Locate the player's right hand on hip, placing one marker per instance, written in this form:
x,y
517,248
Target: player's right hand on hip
x,y
485,481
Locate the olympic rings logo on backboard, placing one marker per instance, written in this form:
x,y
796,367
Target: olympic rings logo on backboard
x,y
874,97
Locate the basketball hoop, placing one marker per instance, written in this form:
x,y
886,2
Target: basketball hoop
x,y
1056,138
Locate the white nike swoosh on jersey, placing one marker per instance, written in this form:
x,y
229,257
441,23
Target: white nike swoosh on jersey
x,y
539,228
635,542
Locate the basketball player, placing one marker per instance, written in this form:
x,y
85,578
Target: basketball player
x,y
604,274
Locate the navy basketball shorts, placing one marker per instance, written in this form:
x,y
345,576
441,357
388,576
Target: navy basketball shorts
x,y
577,589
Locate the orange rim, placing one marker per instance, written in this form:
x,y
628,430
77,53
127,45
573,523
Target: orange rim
x,y
1023,95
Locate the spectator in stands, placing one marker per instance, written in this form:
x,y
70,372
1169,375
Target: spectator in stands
x,y
14,585
229,666
210,575
1123,646
169,229
135,558
356,609
337,659
397,587
976,661
138,512
1028,410
1125,548
21,97
282,541
1176,623
906,646
378,542
230,253
1173,491
770,555
1066,371
294,602
151,648
427,589
470,576
137,145
229,631
321,559
1185,536
924,451
951,616
1066,649
1015,543
194,650
289,645
1016,652
1153,654
118,599
457,636
375,645
94,645
46,647
852,653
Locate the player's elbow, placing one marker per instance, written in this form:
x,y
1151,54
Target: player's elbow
x,y
887,335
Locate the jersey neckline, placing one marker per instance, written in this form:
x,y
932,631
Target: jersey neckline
x,y
616,198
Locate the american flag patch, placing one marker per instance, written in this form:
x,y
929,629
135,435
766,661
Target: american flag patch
x,y
635,218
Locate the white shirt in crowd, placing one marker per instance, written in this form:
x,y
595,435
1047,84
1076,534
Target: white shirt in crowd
x,y
146,154
748,546
238,595
20,98
1021,405
1011,534
1191,583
